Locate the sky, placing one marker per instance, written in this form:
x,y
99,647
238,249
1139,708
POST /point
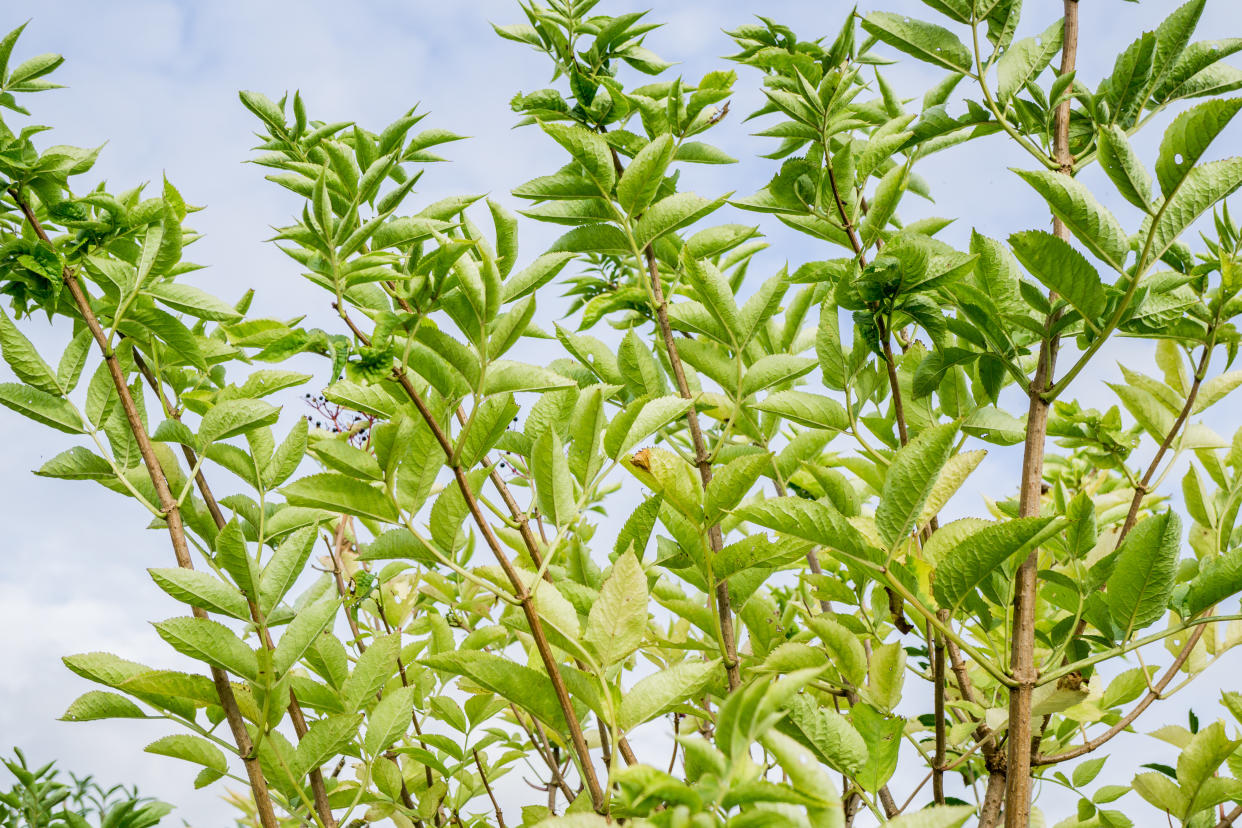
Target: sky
x,y
157,80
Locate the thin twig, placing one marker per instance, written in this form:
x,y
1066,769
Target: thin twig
x,y
500,818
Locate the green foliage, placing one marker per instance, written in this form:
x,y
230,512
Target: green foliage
x,y
40,798
708,500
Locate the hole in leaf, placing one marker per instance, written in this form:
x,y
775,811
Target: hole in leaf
x,y
1177,159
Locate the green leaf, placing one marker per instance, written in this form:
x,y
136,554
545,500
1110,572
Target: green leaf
x,y
1126,687
1197,766
203,590
539,273
32,69
660,692
6,48
73,360
371,672
589,149
25,361
212,642
1139,588
975,557
883,737
233,556
887,195
1089,221
1198,71
367,399
192,749
1025,59
324,740
618,619
1160,791
909,481
95,705
492,417
671,213
389,720
697,152
340,493
641,419
830,735
938,816
1064,270
302,632
506,237
284,567
529,689
1123,166
1218,579
950,479
233,417
1216,389
713,290
1187,139
833,358
1203,187
808,777
1126,88
886,674
642,179
1172,36
77,463
554,485
161,246
268,381
592,238
775,369
1087,771
341,456
807,409
504,376
809,520
197,303
926,41
845,651
578,820
995,273
733,481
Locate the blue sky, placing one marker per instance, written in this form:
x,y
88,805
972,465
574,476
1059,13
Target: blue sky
x,y
158,81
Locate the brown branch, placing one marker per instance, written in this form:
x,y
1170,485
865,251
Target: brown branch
x,y
171,512
1230,818
318,791
1022,658
521,592
896,606
500,818
1141,491
938,677
993,800
519,516
1144,485
844,214
702,459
